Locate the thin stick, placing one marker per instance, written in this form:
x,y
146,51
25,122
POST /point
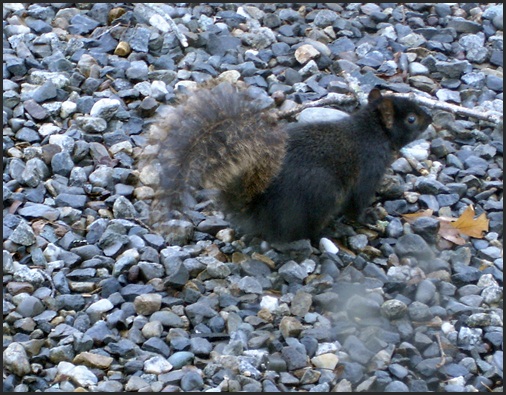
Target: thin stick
x,y
443,355
48,278
355,87
156,11
331,98
341,99
488,116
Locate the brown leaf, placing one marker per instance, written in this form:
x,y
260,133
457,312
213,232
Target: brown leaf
x,y
448,232
469,226
423,213
14,206
344,249
60,230
38,226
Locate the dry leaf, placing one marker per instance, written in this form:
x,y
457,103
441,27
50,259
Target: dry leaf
x,y
344,249
60,230
448,232
14,206
423,213
469,226
38,226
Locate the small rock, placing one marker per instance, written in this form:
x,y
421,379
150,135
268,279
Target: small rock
x,y
325,361
180,359
157,365
394,309
16,359
305,53
105,108
80,375
147,304
23,234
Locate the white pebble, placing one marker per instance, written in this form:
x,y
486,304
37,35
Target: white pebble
x,y
328,246
269,303
447,327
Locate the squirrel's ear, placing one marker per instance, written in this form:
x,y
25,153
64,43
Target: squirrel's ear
x,y
386,109
374,94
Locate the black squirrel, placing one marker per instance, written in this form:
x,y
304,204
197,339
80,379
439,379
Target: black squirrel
x,y
279,181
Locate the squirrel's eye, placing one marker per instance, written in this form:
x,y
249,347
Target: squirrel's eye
x,y
412,119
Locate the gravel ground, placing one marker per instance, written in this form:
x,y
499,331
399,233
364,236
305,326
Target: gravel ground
x,y
93,300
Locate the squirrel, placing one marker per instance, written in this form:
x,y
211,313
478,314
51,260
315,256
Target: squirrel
x,y
279,181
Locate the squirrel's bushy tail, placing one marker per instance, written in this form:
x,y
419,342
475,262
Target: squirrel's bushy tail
x,y
221,138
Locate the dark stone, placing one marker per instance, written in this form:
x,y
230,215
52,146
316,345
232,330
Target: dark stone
x,y
220,44
413,245
462,25
81,24
427,227
35,110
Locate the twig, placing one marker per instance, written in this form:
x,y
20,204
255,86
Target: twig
x,y
48,278
158,17
341,99
443,355
355,87
331,98
489,116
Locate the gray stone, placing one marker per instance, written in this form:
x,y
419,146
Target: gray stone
x,y
200,346
35,110
325,18
30,307
291,271
192,381
45,92
398,370
139,39
80,375
180,359
250,285
23,234
425,292
413,245
62,163
91,124
105,108
123,208
357,350
178,232
427,227
462,25
317,114
419,311
61,353
178,274
81,24
16,360
212,225
453,69
71,200
157,345
294,358
138,71
36,210
394,309
396,386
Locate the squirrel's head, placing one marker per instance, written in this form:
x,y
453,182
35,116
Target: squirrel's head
x,y
402,119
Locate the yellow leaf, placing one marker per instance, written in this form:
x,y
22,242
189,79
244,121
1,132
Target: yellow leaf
x,y
469,226
423,213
